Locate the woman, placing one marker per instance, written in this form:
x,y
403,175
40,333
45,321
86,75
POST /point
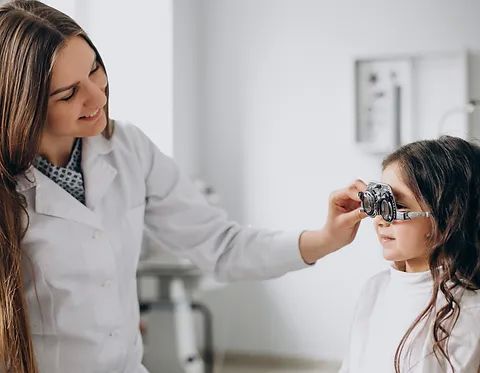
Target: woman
x,y
82,194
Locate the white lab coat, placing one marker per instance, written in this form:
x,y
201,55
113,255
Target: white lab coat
x,y
80,280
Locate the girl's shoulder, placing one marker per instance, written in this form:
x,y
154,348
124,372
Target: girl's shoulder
x,y
370,291
379,277
376,282
470,300
467,327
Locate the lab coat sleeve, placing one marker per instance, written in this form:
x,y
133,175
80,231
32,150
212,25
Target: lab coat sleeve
x,y
178,219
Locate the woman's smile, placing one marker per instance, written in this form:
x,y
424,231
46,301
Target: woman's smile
x,y
93,116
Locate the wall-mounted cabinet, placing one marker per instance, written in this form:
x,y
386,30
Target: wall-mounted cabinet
x,y
400,99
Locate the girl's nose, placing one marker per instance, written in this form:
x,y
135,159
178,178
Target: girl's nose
x,y
380,221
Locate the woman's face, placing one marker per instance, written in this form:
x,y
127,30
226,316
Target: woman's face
x,y
404,241
77,93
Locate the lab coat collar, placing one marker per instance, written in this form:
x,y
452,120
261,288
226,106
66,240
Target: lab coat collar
x,y
98,173
91,148
53,200
94,146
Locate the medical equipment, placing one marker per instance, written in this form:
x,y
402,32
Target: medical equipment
x,y
171,343
171,312
404,98
378,199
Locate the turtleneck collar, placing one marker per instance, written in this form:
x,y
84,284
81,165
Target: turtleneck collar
x,y
411,278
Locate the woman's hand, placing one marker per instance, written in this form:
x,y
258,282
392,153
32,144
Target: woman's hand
x,y
343,219
344,215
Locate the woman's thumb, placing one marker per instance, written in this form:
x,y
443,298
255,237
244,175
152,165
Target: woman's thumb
x,y
353,217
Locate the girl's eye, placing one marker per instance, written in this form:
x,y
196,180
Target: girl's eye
x,y
401,207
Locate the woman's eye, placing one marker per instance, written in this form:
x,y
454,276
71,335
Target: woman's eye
x,y
95,67
74,90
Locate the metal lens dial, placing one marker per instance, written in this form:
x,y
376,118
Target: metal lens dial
x,y
386,209
368,203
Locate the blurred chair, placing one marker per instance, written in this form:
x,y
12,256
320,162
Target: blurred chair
x,y
171,312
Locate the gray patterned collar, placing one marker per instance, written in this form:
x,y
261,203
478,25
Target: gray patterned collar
x,y
70,177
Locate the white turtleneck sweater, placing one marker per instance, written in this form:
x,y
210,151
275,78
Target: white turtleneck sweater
x,y
389,303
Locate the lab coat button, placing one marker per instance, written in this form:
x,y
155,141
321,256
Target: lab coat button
x,y
97,234
106,283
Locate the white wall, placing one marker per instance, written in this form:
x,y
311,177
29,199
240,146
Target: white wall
x,y
186,71
136,44
276,137
66,6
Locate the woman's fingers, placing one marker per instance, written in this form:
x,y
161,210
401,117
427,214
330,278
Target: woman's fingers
x,y
352,217
344,214
347,198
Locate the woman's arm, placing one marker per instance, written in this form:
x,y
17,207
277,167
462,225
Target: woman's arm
x,y
178,219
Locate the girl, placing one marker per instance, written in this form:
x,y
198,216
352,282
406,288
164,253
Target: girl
x,y
81,195
423,313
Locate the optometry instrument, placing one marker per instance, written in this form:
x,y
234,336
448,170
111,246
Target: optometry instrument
x,y
378,199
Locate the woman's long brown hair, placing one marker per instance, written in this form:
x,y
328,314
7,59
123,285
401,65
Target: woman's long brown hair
x,y
444,176
31,34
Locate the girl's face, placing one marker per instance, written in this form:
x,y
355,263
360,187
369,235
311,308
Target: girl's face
x,y
404,242
77,93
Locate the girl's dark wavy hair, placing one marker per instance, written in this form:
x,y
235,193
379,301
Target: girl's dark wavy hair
x,y
444,176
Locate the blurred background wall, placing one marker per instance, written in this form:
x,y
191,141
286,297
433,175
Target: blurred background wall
x,y
276,130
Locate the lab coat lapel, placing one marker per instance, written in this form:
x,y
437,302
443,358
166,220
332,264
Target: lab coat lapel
x,y
98,173
53,200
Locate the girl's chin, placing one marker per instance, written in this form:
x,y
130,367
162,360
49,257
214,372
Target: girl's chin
x,y
392,258
391,255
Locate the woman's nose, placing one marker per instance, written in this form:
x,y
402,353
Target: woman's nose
x,y
96,96
95,91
